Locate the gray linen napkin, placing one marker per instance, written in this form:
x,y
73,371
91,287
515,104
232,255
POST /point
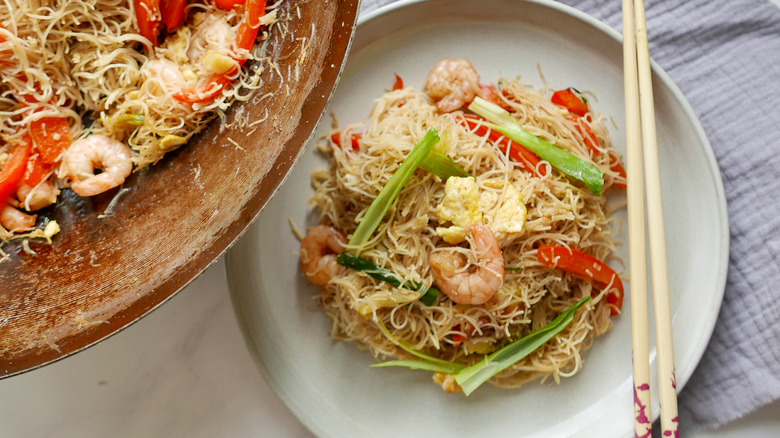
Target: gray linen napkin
x,y
725,57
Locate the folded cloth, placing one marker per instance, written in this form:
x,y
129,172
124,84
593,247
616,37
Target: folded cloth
x,y
725,57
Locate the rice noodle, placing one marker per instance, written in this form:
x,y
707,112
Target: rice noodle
x,y
559,211
85,60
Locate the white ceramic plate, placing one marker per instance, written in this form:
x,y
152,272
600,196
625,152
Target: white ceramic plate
x,y
328,384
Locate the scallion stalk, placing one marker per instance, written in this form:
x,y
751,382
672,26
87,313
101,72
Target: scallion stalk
x,y
472,377
564,161
352,261
376,211
130,119
442,166
428,363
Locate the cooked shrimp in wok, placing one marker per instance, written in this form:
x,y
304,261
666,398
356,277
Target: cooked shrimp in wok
x,y
93,91
96,152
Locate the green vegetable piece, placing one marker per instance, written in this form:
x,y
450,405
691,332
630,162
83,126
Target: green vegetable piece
x,y
417,365
429,297
376,211
371,269
426,363
564,161
443,166
472,377
130,119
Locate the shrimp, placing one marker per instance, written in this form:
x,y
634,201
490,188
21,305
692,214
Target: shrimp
x,y
479,285
452,83
213,37
96,152
167,72
15,220
317,264
41,195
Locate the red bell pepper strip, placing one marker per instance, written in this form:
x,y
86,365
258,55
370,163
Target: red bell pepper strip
x,y
247,33
568,99
517,151
617,166
585,266
592,142
250,25
355,140
207,90
493,94
147,12
229,5
51,136
399,83
173,13
457,338
13,171
468,331
36,170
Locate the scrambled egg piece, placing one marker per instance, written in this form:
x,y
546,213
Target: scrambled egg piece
x,y
464,205
460,206
510,211
218,63
171,142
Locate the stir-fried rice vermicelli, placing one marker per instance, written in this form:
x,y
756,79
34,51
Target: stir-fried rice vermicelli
x,y
88,68
557,209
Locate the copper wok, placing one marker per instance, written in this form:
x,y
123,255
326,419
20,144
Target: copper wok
x,y
102,274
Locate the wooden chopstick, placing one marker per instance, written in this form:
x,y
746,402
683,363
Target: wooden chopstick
x,y
640,337
638,71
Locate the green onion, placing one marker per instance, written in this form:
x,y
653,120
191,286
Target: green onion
x,y
472,377
579,93
429,297
443,166
130,119
371,269
564,161
376,211
427,363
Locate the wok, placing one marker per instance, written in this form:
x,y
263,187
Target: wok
x,y
111,266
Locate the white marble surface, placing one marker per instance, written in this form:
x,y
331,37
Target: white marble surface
x,y
184,371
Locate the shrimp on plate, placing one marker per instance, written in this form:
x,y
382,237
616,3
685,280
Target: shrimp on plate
x,y
319,249
471,286
452,83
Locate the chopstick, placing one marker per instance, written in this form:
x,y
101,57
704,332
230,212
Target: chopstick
x,y
640,341
642,154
